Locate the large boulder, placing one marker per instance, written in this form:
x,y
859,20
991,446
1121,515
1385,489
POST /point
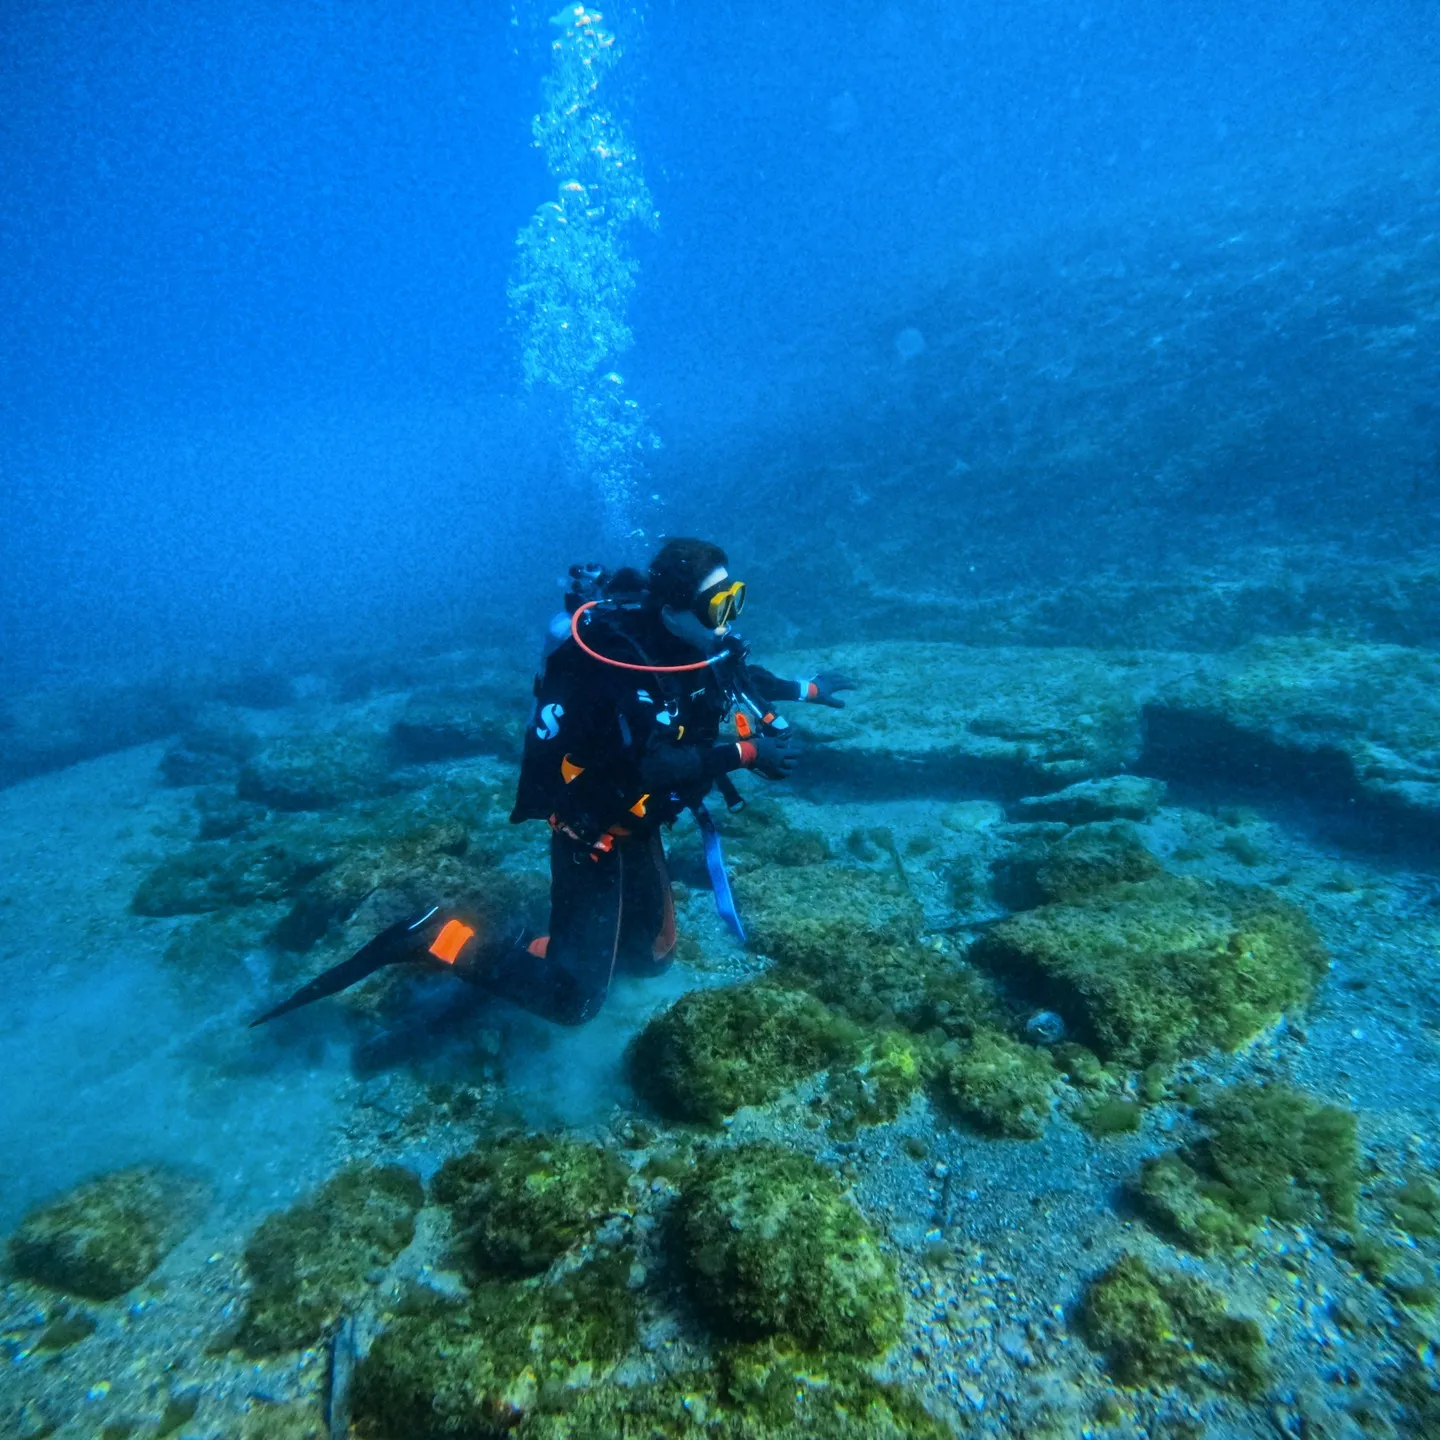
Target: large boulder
x,y
522,1201
479,1368
1154,970
772,1246
713,1051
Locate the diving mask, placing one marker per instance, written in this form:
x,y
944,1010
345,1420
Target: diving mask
x,y
721,603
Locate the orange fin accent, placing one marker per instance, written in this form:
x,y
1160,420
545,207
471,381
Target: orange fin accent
x,y
569,769
638,808
451,940
539,947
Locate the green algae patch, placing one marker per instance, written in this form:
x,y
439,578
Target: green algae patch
x,y
1160,1328
308,1263
1283,1154
1186,1206
771,1246
106,1236
1109,1115
521,1202
1001,1086
1159,969
1270,1152
852,939
475,1370
1414,1207
716,1050
754,1391
896,1065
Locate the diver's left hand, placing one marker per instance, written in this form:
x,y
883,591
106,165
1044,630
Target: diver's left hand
x,y
821,690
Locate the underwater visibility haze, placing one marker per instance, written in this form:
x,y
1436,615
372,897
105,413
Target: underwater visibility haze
x,y
994,997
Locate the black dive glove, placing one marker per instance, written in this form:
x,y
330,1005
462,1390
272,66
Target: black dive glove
x,y
775,755
821,690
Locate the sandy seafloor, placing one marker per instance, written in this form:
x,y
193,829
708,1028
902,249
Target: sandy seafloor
x,y
113,1058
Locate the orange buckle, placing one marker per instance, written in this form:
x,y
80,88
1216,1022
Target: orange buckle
x,y
451,940
743,728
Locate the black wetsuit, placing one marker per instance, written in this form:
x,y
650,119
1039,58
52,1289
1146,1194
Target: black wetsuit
x,y
612,756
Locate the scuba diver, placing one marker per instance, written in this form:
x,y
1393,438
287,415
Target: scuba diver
x,y
639,675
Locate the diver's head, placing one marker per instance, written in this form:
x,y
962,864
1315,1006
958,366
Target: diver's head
x,y
690,583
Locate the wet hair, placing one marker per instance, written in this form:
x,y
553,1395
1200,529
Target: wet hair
x,y
679,567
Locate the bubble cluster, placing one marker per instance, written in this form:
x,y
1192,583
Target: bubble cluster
x,y
574,272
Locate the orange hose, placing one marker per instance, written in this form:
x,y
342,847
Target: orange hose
x,y
622,664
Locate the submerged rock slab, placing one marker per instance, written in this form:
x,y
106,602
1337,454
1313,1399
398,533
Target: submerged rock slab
x,y
1342,722
1112,797
106,1236
943,718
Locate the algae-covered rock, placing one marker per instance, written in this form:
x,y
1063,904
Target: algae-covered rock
x,y
216,875
1089,859
1001,1086
1270,1152
1187,1207
1414,1207
772,1247
1162,968
716,1050
852,938
370,865
1281,1153
761,836
317,772
306,1264
298,1421
1045,868
896,1064
104,1237
754,1391
452,722
521,1202
209,753
1160,1327
475,1370
1108,797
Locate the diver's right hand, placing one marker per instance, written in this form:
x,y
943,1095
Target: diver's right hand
x,y
775,755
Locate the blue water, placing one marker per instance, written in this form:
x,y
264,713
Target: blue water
x,y
333,334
